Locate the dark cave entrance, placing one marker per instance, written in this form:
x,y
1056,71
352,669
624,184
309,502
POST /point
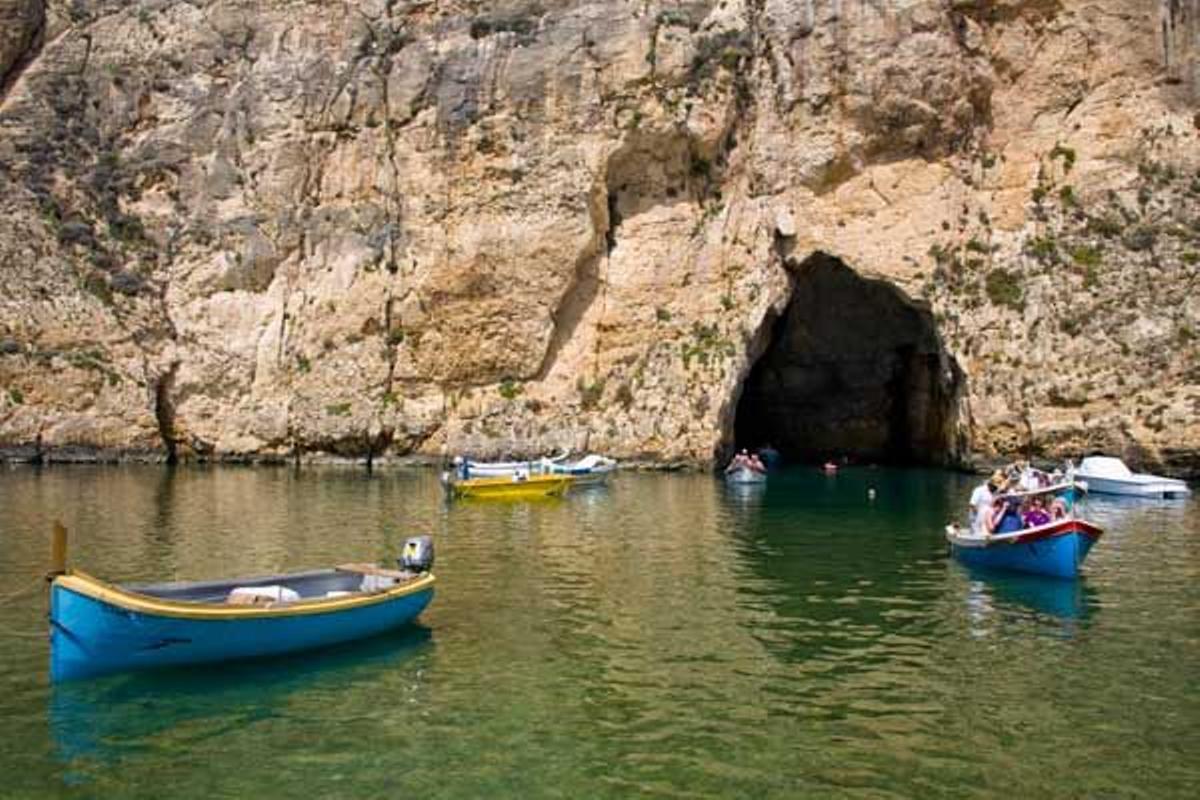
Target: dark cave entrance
x,y
852,369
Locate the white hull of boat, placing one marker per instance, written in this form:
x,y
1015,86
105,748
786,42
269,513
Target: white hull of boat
x,y
505,470
589,470
1150,487
1109,475
745,475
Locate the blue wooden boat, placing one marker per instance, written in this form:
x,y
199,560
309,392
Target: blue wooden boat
x,y
98,628
1056,549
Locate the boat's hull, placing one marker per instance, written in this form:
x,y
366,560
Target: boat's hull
x,y
510,489
745,475
96,631
1165,488
1057,550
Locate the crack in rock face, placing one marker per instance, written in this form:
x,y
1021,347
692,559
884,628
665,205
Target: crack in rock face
x,y
21,23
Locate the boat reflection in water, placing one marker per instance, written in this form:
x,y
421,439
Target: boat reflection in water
x,y
97,722
992,596
746,495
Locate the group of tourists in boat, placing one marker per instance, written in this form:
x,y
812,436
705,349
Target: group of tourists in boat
x,y
752,467
746,467
1025,519
1022,497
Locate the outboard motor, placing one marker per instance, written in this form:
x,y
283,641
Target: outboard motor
x,y
417,555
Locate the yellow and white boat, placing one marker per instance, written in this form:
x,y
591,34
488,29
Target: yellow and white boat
x,y
512,487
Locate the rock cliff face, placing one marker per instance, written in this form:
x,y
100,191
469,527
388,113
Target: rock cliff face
x,y
932,228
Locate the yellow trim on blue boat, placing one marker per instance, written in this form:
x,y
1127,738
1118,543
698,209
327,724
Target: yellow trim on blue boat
x,y
84,584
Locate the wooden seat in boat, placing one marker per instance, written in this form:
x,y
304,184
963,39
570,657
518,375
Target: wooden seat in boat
x,y
374,569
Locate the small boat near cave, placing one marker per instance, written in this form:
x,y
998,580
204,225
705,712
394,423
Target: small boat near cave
x,y
504,469
97,628
590,469
1056,549
742,475
1109,475
515,487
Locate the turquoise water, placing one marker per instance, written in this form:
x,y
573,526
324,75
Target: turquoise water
x,y
666,636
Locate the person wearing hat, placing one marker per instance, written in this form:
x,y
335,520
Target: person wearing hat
x,y
981,502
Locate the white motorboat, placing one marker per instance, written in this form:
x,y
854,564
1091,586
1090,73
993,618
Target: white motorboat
x,y
590,469
1109,475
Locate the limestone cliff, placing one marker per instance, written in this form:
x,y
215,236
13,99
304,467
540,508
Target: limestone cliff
x,y
275,228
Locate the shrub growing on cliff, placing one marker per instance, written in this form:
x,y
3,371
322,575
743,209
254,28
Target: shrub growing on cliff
x,y
523,23
509,389
624,395
726,49
1086,256
1104,226
590,393
1042,248
1004,289
1066,154
1141,238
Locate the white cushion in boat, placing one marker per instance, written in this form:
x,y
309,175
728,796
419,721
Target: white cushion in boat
x,y
255,595
377,583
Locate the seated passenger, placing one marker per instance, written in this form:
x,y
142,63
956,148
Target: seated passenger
x,y
740,459
1007,517
996,513
1036,515
1058,508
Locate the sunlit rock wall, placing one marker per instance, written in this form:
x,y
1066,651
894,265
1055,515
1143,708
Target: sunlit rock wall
x,y
272,229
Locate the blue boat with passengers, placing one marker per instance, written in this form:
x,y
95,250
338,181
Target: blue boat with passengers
x,y
1056,548
97,628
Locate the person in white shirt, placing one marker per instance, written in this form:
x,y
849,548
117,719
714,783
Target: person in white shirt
x,y
981,502
1029,477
